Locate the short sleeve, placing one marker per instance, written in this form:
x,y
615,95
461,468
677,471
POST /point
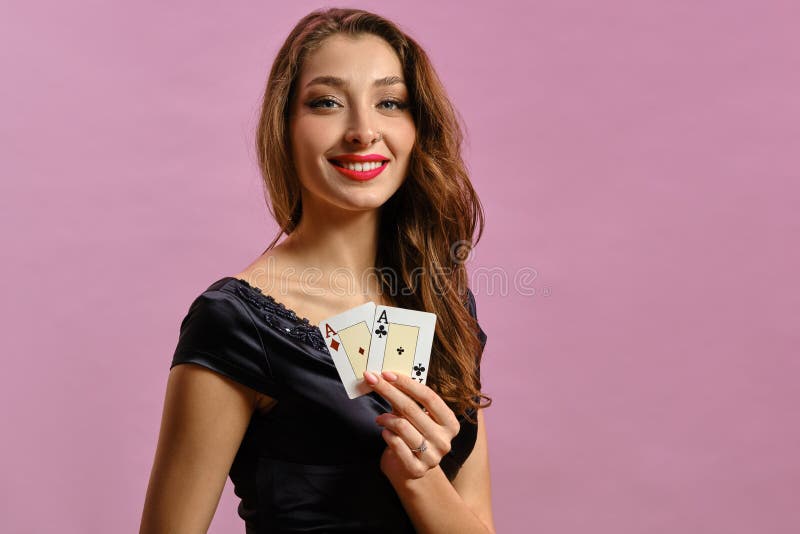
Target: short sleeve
x,y
473,310
218,333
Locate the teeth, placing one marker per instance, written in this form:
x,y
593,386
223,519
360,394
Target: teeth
x,y
360,167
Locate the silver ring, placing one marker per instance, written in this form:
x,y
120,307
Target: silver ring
x,y
380,136
422,447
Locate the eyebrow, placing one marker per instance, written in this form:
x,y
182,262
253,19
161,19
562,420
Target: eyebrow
x,y
337,82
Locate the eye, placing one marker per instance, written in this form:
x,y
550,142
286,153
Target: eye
x,y
321,103
398,105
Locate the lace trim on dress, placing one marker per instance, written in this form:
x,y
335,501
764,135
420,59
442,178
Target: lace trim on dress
x,y
271,309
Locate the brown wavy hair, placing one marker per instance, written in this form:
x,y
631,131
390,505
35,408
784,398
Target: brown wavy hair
x,y
429,223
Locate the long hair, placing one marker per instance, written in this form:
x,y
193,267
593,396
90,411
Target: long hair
x,y
429,223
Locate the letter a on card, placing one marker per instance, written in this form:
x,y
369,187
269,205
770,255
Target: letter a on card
x,y
401,342
348,338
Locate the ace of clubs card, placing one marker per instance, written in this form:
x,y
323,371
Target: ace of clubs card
x,y
401,342
348,339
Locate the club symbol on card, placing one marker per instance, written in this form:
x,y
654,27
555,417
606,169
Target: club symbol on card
x,y
403,343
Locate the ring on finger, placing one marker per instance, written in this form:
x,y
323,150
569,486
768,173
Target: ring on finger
x,y
422,447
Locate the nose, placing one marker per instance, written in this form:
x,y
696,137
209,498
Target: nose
x,y
362,131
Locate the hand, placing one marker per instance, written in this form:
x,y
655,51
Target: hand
x,y
408,425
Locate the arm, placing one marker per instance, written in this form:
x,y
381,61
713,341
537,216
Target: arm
x,y
473,482
431,502
204,420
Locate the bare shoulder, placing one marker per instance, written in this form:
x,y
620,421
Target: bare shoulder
x,y
282,275
264,270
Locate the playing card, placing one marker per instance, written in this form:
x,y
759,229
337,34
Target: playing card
x,y
347,337
401,341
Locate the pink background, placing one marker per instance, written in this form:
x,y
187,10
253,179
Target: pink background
x,y
638,158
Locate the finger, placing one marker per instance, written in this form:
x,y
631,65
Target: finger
x,y
403,428
413,465
437,408
405,406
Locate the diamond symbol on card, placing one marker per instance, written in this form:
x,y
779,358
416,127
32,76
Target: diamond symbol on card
x,y
334,344
361,350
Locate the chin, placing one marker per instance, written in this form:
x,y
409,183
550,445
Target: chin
x,y
360,202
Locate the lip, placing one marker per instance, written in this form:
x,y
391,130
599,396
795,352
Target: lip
x,y
360,176
353,158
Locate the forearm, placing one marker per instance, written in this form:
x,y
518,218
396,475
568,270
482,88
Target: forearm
x,y
434,506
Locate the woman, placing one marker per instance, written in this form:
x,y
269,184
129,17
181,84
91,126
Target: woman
x,y
263,402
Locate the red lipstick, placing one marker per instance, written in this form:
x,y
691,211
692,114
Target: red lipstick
x,y
361,176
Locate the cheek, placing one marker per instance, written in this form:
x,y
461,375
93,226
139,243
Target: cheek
x,y
305,144
406,137
314,138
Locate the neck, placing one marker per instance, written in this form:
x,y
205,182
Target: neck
x,y
341,243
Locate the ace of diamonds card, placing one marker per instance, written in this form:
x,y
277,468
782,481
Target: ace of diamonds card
x,y
348,339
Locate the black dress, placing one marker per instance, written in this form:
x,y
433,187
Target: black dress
x,y
312,463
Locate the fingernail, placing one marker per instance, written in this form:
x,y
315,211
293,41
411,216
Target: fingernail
x,y
370,378
390,376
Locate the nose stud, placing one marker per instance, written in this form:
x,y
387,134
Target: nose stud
x,y
357,139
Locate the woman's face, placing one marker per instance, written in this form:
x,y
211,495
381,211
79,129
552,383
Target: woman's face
x,y
350,100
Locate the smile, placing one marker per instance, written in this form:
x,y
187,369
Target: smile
x,y
359,171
